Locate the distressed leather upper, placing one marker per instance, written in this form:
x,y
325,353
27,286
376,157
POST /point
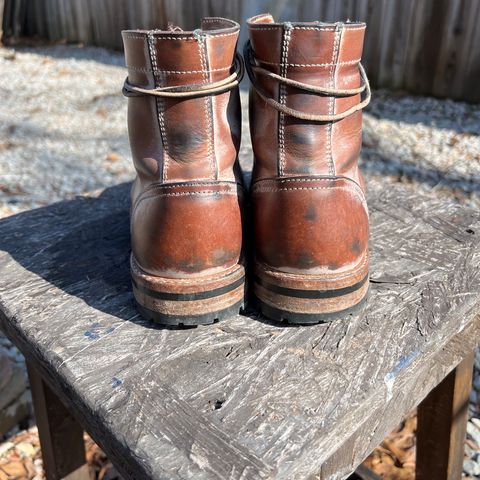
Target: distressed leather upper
x,y
308,193
186,214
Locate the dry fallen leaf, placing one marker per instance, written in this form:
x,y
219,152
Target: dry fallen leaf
x,y
14,470
102,112
25,449
113,157
394,459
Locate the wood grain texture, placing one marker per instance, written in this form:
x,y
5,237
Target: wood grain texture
x,y
243,398
442,425
61,437
426,47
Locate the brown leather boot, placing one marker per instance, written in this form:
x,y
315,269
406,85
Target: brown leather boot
x,y
186,215
310,215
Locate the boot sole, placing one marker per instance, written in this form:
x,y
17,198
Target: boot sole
x,y
188,301
192,320
302,306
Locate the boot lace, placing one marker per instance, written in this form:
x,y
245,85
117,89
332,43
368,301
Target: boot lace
x,y
254,70
190,91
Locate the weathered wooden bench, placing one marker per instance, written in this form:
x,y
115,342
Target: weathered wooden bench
x,y
244,398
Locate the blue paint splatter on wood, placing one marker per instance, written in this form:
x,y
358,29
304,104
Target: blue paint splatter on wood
x,y
116,382
402,363
92,334
95,331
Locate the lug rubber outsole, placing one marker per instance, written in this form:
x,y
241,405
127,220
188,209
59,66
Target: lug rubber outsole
x,y
306,299
295,318
188,301
190,320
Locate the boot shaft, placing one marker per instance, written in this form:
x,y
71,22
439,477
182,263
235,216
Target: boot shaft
x,y
321,55
184,129
182,139
309,209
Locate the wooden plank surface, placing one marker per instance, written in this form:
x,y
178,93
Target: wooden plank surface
x,y
243,398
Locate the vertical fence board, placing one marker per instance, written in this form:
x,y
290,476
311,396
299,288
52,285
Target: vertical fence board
x,y
468,52
428,46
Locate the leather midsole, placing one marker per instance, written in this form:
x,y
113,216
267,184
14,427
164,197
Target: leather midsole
x,y
294,292
311,305
187,297
194,307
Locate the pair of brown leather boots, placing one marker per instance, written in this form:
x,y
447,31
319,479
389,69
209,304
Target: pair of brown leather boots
x,y
188,219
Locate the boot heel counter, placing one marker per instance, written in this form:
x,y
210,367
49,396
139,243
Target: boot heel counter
x,y
310,224
186,229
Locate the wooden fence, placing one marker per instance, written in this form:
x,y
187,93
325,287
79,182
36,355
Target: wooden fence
x,y
423,46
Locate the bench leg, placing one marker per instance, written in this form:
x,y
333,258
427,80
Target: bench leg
x,y
442,422
61,437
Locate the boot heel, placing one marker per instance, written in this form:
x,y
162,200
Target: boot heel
x,y
188,301
308,299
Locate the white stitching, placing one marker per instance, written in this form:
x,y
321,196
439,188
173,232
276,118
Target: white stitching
x,y
283,97
155,190
318,29
278,27
361,198
160,105
134,37
194,39
296,179
155,194
179,194
331,101
192,184
175,38
348,185
202,47
151,43
282,189
330,29
214,35
177,72
348,62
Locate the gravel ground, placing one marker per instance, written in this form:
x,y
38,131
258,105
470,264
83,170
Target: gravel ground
x,y
62,125
431,144
63,132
